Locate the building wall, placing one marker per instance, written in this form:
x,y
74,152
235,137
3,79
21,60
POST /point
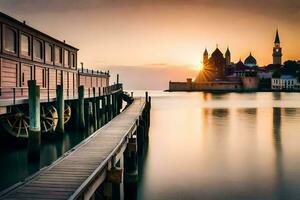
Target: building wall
x,y
209,86
284,84
250,83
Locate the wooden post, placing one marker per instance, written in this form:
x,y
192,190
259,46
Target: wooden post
x,y
34,137
81,106
97,99
114,105
117,79
60,128
140,136
113,186
95,118
108,108
131,162
87,110
146,93
101,117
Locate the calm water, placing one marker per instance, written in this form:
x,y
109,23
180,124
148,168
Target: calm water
x,y
203,146
14,165
223,146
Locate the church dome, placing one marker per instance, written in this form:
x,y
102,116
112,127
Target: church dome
x,y
250,61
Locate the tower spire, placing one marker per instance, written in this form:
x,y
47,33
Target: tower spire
x,y
277,40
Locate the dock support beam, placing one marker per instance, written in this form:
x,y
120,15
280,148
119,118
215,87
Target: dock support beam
x,y
34,138
113,186
81,106
95,110
131,162
87,110
60,128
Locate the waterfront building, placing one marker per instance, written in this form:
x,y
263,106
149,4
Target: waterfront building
x,y
219,73
245,70
285,82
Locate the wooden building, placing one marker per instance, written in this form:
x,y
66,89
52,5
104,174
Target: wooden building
x,y
28,54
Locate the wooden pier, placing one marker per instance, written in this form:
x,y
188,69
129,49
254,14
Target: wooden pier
x,y
97,161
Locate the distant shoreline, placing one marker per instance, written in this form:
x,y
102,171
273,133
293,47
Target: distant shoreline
x,y
233,91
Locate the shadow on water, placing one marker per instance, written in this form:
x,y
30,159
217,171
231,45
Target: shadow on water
x,y
15,166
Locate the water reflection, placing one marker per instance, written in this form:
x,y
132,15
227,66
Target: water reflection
x,y
223,146
15,166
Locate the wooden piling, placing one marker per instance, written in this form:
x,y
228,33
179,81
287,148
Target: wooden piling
x,y
114,105
34,137
81,106
108,107
131,162
95,111
87,113
98,112
146,94
60,105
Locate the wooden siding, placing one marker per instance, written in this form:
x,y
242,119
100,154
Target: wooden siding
x,y
82,80
39,76
52,83
25,75
58,77
9,71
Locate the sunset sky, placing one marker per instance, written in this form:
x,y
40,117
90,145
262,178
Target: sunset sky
x,y
164,34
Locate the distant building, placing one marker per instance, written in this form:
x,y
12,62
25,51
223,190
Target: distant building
x,y
250,61
277,51
243,70
220,74
285,82
214,67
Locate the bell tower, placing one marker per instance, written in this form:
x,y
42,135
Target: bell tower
x,y
228,57
277,50
205,57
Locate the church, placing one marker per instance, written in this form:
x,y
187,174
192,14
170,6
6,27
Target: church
x,y
219,73
219,67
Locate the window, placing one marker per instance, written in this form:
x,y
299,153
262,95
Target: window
x,y
72,60
25,45
10,37
49,53
66,58
58,55
37,49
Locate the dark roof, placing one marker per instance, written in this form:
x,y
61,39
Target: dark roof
x,y
217,52
277,40
240,66
272,67
205,52
250,60
34,30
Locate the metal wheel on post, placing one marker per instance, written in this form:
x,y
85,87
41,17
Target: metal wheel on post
x,y
17,122
67,113
49,118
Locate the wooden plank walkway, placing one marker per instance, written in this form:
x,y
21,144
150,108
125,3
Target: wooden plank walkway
x,y
71,175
